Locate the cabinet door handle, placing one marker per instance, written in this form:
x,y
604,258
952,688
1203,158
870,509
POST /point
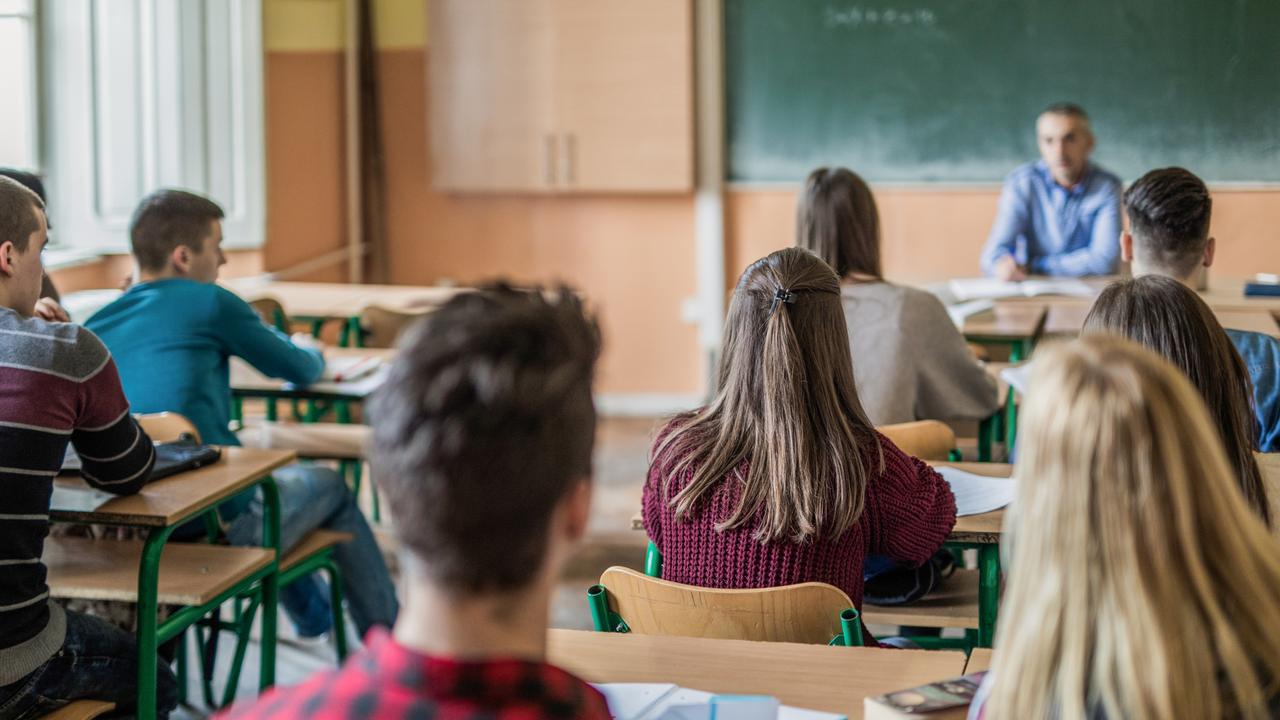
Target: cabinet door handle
x,y
570,158
549,158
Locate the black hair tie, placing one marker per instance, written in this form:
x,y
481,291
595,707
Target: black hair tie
x,y
784,296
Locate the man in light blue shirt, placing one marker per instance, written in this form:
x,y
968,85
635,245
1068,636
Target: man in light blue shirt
x,y
1059,215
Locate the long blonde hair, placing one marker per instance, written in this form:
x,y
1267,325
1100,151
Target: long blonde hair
x,y
787,405
1140,583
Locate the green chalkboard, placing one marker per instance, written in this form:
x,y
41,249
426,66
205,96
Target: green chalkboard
x,y
947,90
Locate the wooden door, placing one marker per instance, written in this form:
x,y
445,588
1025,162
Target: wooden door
x,y
491,95
624,95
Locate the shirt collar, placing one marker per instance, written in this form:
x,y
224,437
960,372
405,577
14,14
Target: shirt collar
x,y
1042,169
491,680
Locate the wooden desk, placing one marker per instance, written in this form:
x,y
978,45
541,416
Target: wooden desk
x,y
1259,321
816,677
979,660
1017,324
248,382
161,507
307,300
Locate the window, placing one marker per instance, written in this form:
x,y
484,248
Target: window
x,y
18,140
144,94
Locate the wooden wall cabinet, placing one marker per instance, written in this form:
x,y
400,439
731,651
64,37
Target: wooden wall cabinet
x,y
556,96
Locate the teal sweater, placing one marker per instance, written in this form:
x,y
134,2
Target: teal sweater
x,y
172,340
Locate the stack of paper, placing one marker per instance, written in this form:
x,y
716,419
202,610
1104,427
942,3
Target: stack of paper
x,y
985,288
978,494
664,701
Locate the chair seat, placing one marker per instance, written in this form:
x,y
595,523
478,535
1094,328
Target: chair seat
x,y
310,440
190,573
315,542
80,710
953,605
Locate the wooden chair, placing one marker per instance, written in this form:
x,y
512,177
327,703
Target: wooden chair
x,y
380,326
313,553
272,313
630,601
80,710
925,439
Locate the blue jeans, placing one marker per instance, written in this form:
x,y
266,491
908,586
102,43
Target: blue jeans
x,y
98,661
313,497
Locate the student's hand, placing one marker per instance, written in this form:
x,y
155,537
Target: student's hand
x,y
306,342
49,310
1009,270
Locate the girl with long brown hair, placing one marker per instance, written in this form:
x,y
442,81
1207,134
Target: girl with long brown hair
x,y
909,360
782,479
1141,586
1169,318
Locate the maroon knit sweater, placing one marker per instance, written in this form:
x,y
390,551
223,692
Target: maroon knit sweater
x,y
908,513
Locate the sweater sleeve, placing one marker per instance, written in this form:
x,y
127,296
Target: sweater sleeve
x,y
910,508
267,349
116,455
951,383
652,502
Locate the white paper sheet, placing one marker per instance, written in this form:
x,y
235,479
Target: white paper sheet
x,y
965,310
978,494
1018,377
665,701
965,289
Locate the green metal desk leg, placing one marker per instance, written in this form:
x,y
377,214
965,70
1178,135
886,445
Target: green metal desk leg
x,y
335,602
986,433
988,593
270,583
148,619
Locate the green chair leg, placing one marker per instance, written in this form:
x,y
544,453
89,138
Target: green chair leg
x,y
851,628
604,619
339,616
986,432
652,561
988,593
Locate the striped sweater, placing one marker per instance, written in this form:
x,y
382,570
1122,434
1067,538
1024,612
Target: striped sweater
x,y
58,384
909,512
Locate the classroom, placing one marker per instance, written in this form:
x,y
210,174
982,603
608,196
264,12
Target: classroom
x,y
613,359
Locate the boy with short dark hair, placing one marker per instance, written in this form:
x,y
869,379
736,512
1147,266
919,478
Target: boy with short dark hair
x,y
58,384
482,441
173,334
1169,212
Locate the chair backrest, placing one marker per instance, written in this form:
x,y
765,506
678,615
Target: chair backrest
x,y
804,613
381,326
925,439
167,426
271,312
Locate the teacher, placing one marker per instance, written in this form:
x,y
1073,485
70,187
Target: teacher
x,y
1059,215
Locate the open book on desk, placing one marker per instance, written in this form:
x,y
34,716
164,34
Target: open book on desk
x,y
345,369
964,289
665,701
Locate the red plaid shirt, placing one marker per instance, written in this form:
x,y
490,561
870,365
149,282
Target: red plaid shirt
x,y
389,681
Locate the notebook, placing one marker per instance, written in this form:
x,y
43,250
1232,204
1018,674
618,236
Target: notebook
x,y
666,701
943,700
344,369
171,458
977,494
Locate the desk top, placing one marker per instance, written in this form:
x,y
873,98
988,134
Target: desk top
x,y
169,501
979,660
815,677
248,381
340,300
1012,321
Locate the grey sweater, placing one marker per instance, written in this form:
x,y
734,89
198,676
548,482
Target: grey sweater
x,y
909,361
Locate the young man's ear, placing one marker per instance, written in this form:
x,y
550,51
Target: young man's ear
x,y
7,251
577,509
1126,246
1209,249
181,259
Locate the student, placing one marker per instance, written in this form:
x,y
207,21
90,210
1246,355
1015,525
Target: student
x,y
48,307
1168,318
482,439
1169,212
909,361
1140,586
60,385
173,334
1059,215
782,479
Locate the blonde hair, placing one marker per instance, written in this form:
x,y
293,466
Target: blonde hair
x,y
1140,584
787,405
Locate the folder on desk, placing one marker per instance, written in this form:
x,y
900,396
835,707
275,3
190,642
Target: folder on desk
x,y
944,700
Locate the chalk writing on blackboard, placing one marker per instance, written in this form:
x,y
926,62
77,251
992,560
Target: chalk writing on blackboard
x,y
860,16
